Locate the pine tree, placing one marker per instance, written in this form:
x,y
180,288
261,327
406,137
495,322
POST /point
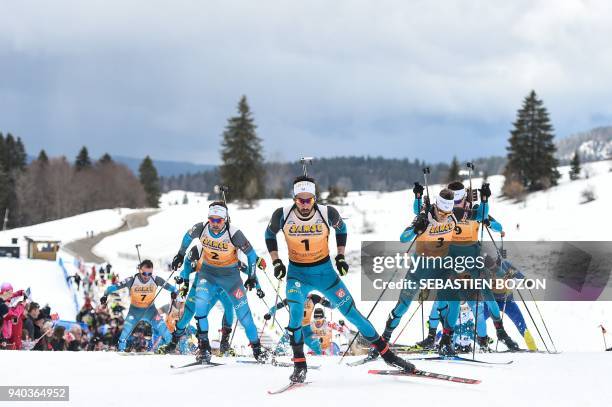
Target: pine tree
x,y
12,164
83,161
241,152
105,159
575,167
42,157
150,181
453,171
531,153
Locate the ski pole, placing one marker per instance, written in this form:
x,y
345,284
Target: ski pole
x,y
375,304
520,295
475,323
138,251
422,320
502,316
542,318
277,297
407,322
603,335
532,320
273,315
233,332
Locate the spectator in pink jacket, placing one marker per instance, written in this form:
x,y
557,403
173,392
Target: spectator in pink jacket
x,y
13,319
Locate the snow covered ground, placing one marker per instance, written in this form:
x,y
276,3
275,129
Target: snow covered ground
x,y
108,379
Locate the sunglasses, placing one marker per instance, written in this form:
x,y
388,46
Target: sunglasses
x,y
147,273
305,201
216,220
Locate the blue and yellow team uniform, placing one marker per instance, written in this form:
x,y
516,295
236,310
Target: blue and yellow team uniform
x,y
217,269
310,267
142,307
434,242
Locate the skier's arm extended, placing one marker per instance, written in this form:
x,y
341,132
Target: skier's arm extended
x,y
121,285
480,212
494,224
335,220
164,284
191,234
418,226
273,228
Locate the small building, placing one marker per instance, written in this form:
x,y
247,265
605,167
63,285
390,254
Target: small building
x,y
10,250
43,248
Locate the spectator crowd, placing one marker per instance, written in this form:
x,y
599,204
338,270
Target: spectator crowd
x,y
25,325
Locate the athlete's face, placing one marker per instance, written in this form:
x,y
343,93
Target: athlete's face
x,y
146,272
216,223
304,202
441,215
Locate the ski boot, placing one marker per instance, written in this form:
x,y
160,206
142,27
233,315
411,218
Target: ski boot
x,y
373,354
204,353
502,335
391,358
260,354
171,346
446,347
299,373
484,343
299,364
224,345
430,341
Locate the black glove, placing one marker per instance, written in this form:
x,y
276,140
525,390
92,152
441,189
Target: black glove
x,y
179,279
487,222
341,322
250,283
184,289
418,190
260,293
173,295
420,223
341,265
103,299
485,192
267,317
280,271
177,261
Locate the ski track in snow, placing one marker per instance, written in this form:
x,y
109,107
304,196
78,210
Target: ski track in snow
x,y
107,379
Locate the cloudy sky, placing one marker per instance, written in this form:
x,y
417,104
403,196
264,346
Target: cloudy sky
x,y
424,79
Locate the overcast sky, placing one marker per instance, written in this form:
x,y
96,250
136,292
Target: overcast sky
x,y
424,79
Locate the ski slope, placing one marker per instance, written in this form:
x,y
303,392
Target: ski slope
x,y
555,214
108,380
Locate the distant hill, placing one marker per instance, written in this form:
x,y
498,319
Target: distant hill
x,y
165,168
593,145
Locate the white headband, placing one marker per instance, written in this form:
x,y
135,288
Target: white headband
x,y
445,205
217,210
304,186
459,195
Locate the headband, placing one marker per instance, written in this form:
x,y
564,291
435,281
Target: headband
x,y
459,195
304,186
445,205
217,210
